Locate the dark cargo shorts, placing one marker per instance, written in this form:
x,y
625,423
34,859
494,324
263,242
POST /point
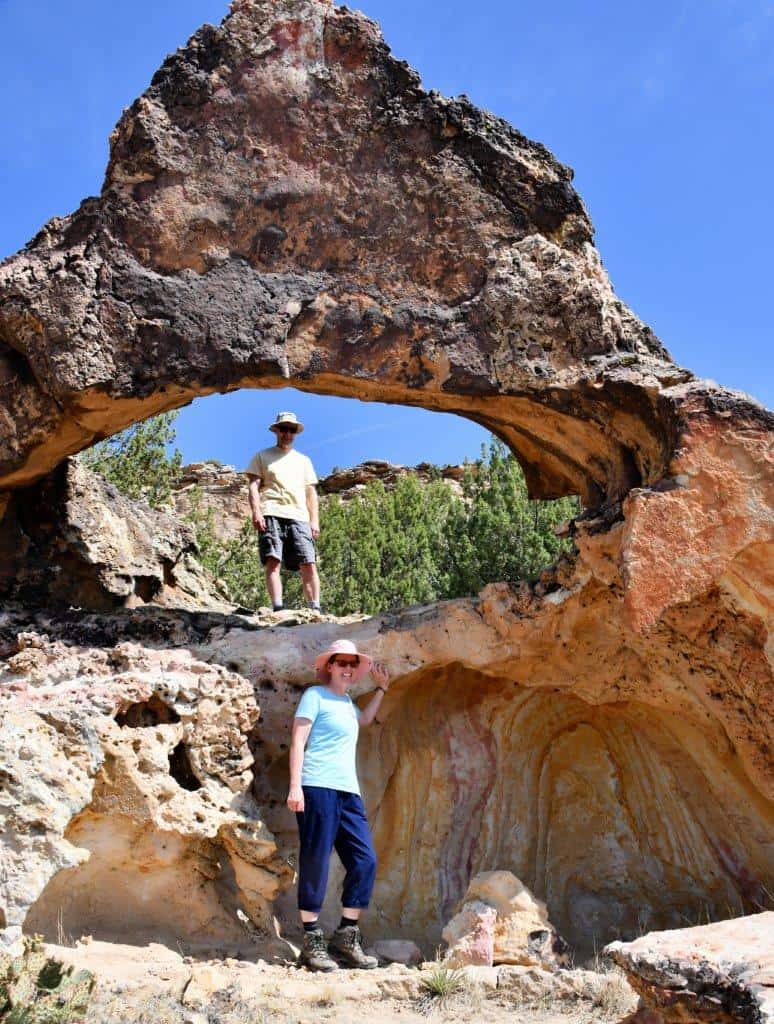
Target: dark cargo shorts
x,y
287,540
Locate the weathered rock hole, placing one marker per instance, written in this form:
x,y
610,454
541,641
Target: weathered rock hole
x,y
180,769
146,587
150,712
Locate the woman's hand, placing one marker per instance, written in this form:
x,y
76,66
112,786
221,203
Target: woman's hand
x,y
380,675
295,799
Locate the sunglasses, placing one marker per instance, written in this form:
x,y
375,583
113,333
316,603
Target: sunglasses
x,y
286,430
345,664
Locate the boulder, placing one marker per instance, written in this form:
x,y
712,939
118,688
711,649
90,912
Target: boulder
x,y
74,540
520,930
470,936
398,951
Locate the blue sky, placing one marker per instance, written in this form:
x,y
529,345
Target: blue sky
x,y
664,110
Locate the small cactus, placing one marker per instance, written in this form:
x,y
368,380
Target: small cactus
x,y
35,989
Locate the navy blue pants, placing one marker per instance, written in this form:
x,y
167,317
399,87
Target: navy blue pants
x,y
334,819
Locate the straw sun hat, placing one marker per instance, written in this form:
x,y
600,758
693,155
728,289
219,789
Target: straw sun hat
x,y
342,647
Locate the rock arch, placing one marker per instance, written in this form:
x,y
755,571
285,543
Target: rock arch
x,y
285,204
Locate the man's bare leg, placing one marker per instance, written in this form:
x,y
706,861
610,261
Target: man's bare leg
x,y
274,581
311,581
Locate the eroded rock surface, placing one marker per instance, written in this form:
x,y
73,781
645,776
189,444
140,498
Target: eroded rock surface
x,y
285,204
626,781
127,806
75,540
723,973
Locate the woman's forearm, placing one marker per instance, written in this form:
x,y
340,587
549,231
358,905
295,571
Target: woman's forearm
x,y
369,712
296,761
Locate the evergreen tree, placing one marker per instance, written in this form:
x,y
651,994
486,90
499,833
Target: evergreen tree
x,y
137,460
498,533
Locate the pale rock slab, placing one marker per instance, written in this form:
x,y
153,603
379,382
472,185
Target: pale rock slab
x,y
527,985
723,972
48,770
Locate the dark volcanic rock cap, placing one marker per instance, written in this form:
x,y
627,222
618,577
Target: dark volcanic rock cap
x,y
286,204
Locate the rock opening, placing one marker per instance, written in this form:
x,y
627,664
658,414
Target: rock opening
x,y
146,713
180,769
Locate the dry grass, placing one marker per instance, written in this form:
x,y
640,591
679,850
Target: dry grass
x,y
460,1008
613,996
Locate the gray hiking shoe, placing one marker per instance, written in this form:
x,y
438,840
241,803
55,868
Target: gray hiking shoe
x,y
346,948
314,953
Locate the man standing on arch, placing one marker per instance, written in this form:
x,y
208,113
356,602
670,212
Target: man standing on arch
x,y
283,502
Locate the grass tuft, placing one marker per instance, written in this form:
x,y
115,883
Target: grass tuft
x,y
444,982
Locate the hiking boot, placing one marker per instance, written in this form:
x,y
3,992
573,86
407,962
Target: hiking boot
x,y
345,947
314,953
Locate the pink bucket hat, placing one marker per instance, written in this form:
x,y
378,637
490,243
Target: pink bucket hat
x,y
342,647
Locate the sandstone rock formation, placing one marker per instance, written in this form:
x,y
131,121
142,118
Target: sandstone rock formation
x,y
722,973
623,776
470,936
74,540
205,486
285,204
347,483
126,798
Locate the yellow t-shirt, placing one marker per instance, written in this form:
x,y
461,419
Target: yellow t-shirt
x,y
285,475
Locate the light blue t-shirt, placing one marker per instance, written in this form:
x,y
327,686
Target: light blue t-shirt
x,y
329,758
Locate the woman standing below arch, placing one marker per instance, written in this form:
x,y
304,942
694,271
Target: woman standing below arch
x,y
325,795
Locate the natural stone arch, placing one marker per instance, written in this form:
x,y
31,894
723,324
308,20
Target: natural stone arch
x,y
286,205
